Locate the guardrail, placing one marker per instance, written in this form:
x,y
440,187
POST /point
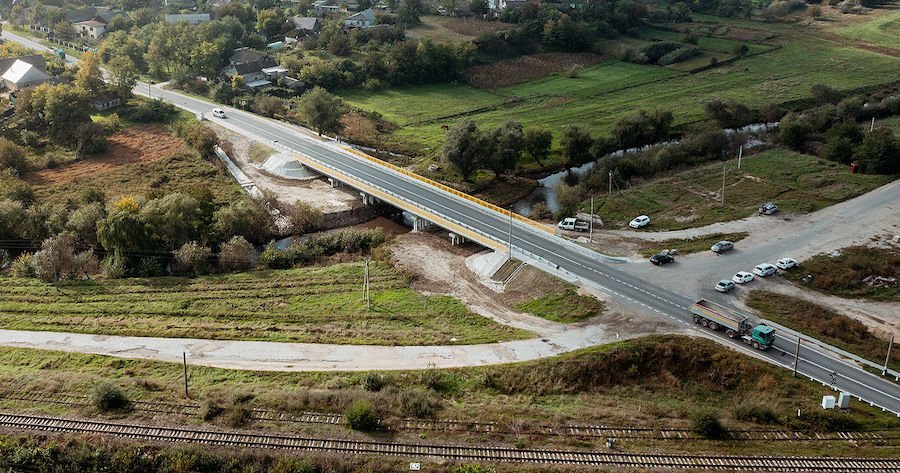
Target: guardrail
x,y
431,182
834,349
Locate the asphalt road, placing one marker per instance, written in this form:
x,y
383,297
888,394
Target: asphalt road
x,y
542,249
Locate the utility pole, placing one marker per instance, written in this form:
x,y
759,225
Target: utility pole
x,y
591,234
184,358
724,166
740,154
509,241
872,126
796,357
888,357
609,193
366,279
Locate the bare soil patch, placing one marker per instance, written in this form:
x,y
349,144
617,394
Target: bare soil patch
x,y
526,68
134,144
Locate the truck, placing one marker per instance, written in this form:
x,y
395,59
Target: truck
x,y
572,223
735,323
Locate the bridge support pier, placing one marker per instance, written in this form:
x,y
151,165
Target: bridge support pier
x,y
420,224
334,182
457,239
367,199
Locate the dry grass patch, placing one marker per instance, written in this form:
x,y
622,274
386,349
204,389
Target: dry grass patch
x,y
526,68
472,26
845,273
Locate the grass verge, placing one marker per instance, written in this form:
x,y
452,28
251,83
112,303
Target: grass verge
x,y
566,306
795,182
823,323
693,245
314,304
845,275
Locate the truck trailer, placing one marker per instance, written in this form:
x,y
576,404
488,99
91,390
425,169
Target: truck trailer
x,y
735,323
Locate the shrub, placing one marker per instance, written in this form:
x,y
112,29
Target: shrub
x,y
540,211
307,251
149,111
708,426
361,416
192,258
680,54
741,50
210,409
21,267
237,254
418,402
756,414
12,156
108,397
574,71
304,218
114,266
824,94
373,381
474,469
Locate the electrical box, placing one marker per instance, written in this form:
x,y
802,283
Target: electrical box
x,y
827,402
843,401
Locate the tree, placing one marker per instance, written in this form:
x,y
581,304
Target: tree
x,y
340,45
237,254
506,145
576,145
245,218
122,232
879,152
192,258
54,261
303,217
12,214
538,143
89,78
60,108
793,130
270,21
461,148
824,94
479,7
321,110
410,11
12,157
173,220
90,139
123,76
83,222
202,139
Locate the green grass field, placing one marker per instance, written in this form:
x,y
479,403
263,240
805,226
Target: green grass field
x,y
323,305
609,91
719,45
693,245
881,29
567,306
796,182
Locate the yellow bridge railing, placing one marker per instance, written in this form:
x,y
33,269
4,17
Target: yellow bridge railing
x,y
431,182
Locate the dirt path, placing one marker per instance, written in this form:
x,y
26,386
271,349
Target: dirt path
x,y
316,192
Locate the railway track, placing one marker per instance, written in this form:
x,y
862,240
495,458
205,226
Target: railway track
x,y
882,437
419,452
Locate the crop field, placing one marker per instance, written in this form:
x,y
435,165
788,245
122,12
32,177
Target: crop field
x,y
797,182
604,93
881,28
719,45
138,159
322,305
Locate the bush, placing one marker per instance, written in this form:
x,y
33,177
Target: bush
x,y
361,416
540,211
210,409
474,469
237,254
114,266
149,111
192,258
574,71
307,251
708,426
373,381
108,397
12,156
21,267
680,54
740,50
418,403
756,414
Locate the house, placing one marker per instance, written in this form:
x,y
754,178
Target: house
x,y
293,84
189,18
500,5
306,25
328,7
20,74
363,19
252,73
106,101
91,29
247,56
180,4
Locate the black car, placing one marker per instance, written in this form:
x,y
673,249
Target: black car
x,y
661,258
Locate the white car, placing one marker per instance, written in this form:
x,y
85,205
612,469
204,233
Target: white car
x,y
742,277
763,270
786,263
724,285
640,221
218,113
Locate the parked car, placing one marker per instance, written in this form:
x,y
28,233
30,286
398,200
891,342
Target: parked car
x,y
722,246
218,113
786,263
640,221
725,285
768,208
764,269
742,277
661,258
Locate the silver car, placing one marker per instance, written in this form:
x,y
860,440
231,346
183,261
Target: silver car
x,y
722,246
725,285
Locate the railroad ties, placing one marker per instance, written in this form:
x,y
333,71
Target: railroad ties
x,y
447,452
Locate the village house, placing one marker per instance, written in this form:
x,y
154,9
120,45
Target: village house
x,y
189,18
363,19
23,72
